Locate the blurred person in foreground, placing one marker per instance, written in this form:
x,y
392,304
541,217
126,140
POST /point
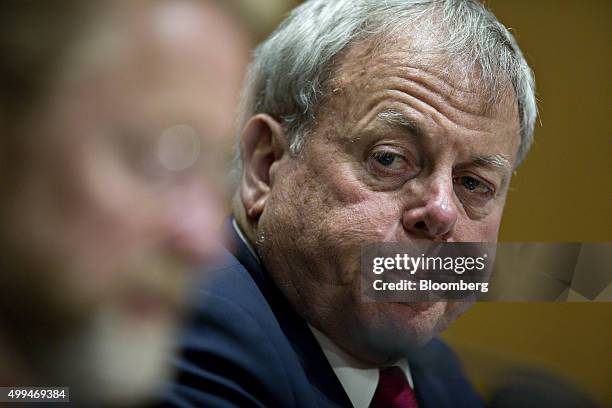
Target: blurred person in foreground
x,y
364,121
115,118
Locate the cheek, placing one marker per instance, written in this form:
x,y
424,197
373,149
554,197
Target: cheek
x,y
337,179
491,230
347,214
491,226
342,187
352,209
375,219
485,230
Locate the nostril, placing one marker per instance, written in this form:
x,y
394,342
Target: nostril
x,y
420,226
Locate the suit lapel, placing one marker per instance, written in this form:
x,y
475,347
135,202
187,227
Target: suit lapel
x,y
315,364
430,391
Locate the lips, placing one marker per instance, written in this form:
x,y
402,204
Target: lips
x,y
416,307
419,306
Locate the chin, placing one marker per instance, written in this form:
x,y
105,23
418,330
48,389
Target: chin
x,y
395,330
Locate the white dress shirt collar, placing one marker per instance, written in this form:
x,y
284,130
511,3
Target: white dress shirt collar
x,y
244,239
358,380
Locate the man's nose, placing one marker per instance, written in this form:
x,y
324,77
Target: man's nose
x,y
434,216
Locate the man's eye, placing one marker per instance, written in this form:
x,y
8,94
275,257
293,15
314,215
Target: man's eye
x,y
388,159
472,185
388,164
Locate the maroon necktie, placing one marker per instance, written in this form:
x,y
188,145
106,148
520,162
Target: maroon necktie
x,y
393,390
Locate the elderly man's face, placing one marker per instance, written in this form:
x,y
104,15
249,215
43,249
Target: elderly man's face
x,y
399,153
121,194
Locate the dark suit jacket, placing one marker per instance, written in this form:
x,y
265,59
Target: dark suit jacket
x,y
246,347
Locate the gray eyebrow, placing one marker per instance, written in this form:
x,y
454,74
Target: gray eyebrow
x,y
498,160
395,118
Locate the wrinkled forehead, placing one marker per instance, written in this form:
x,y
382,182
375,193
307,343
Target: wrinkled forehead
x,y
420,57
438,96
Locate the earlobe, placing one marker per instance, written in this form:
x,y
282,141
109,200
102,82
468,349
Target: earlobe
x,y
262,144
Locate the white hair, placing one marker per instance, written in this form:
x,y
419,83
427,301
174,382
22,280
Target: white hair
x,y
290,72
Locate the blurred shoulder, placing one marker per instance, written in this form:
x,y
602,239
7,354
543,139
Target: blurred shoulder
x,y
230,335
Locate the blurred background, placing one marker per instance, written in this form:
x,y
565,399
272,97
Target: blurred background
x,y
562,193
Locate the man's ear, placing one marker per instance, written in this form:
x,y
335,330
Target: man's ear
x,y
262,145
